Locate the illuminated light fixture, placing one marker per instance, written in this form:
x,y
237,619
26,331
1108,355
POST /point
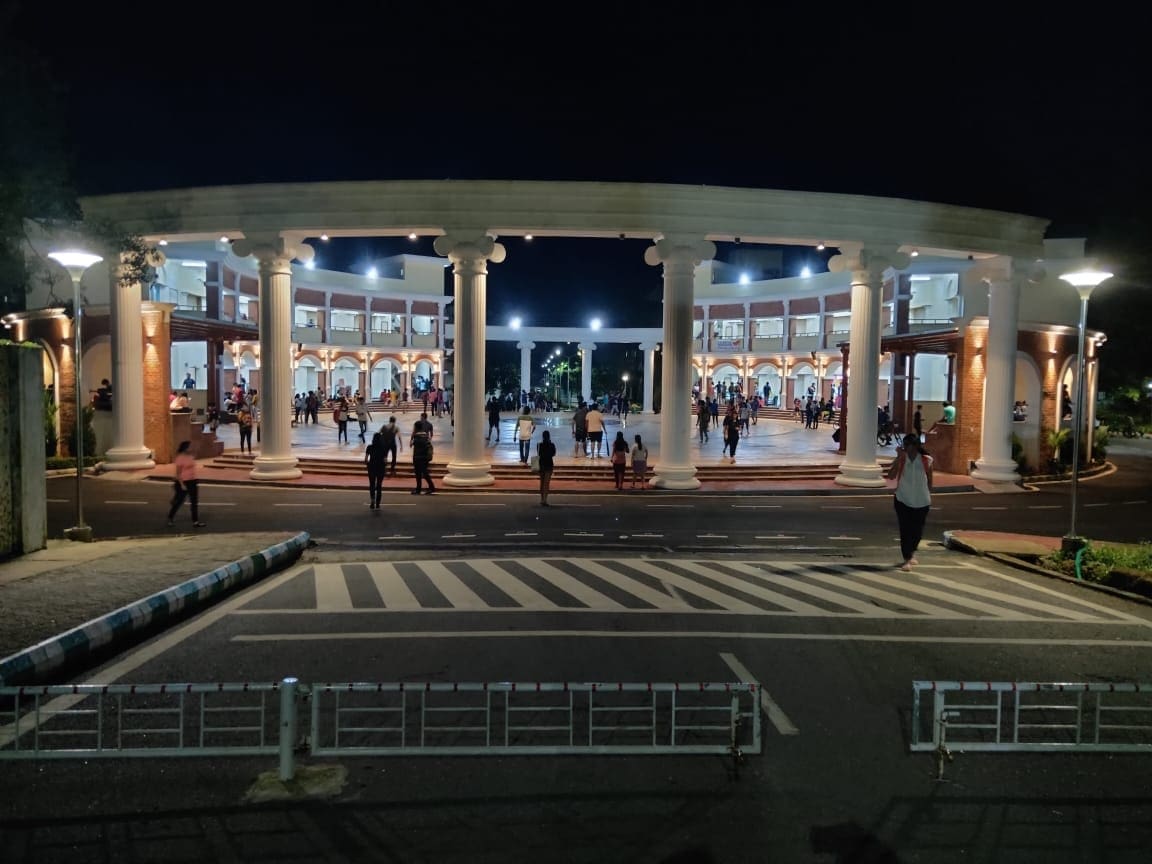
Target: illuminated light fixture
x,y
515,323
819,247
595,323
527,236
412,236
919,277
373,272
805,272
915,253
557,352
163,243
193,263
1084,281
224,238
324,237
744,280
310,264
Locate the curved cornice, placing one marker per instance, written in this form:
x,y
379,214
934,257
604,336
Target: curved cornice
x,y
514,207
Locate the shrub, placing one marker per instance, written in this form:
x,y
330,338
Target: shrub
x,y
1098,561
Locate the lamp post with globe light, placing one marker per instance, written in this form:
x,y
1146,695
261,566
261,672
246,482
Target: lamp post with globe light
x,y
1084,281
76,262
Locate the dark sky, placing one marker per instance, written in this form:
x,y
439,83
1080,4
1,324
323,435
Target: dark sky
x,y
1044,115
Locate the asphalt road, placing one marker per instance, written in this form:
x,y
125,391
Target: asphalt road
x,y
835,643
1115,507
795,592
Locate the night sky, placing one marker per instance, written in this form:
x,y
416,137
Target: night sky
x,y
1039,115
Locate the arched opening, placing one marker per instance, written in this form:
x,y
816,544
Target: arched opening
x,y
345,377
766,381
385,376
1026,412
307,375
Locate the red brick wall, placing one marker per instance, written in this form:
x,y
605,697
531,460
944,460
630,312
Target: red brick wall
x,y
157,375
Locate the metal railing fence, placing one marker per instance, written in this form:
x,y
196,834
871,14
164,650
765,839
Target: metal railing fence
x,y
404,718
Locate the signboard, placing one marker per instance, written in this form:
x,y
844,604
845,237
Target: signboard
x,y
727,344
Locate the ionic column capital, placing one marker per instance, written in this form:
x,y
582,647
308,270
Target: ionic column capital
x,y
467,251
272,250
587,346
868,263
526,346
679,249
649,346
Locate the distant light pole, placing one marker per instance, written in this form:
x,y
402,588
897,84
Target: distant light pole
x,y
624,378
76,262
1084,281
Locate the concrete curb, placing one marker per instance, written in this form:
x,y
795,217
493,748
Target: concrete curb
x,y
80,642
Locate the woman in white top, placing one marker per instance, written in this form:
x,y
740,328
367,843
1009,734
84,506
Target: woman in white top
x,y
912,471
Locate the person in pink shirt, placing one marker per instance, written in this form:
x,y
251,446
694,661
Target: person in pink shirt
x,y
186,485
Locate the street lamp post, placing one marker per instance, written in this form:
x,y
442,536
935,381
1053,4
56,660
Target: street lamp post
x,y
76,263
1084,281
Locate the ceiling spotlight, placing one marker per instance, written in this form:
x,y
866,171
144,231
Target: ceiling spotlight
x,y
310,264
527,236
324,237
515,323
914,253
805,272
373,272
412,236
224,238
163,243
819,247
595,323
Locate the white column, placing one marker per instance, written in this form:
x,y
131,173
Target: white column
x,y
586,349
995,462
469,256
649,350
747,333
679,255
274,256
408,323
526,364
867,266
127,452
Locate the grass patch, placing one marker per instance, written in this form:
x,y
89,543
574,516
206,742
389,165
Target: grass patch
x,y
1124,566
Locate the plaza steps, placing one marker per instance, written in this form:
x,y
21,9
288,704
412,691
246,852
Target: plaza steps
x,y
599,470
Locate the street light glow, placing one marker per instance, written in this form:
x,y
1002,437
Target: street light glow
x,y
595,323
75,258
1085,278
515,323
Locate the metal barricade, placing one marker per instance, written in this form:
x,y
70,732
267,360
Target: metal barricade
x,y
502,718
137,720
430,718
1029,716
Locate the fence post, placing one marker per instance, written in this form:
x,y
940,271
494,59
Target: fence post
x,y
287,729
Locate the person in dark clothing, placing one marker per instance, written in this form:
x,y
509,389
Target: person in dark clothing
x,y
493,419
546,450
619,458
421,444
375,456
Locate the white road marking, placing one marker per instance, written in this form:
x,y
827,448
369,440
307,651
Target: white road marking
x,y
393,590
840,507
775,715
726,635
1141,501
647,535
1045,506
683,583
217,503
331,589
712,536
777,537
757,506
114,501
59,500
455,536
520,534
989,508
670,506
469,504
1099,504
297,505
396,537
843,537
582,534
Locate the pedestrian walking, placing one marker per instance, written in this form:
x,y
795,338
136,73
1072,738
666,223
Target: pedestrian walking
x,y
594,420
703,418
524,426
493,419
619,458
244,424
186,485
363,417
639,461
421,444
918,421
340,417
390,434
546,453
375,456
731,432
912,471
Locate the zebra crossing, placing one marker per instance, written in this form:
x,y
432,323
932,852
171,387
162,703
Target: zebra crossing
x,y
645,585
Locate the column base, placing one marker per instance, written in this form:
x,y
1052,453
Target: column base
x,y
275,468
996,472
128,459
468,474
79,533
674,477
867,476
